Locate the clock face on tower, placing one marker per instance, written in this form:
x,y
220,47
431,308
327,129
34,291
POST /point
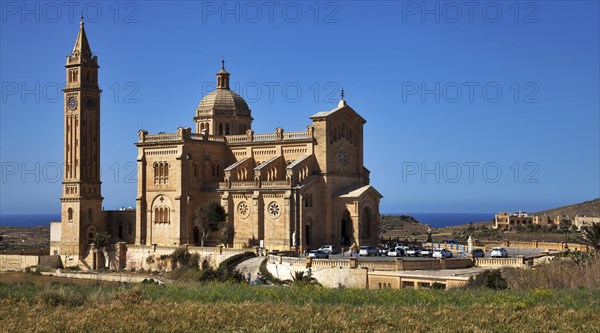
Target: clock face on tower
x,y
342,156
72,103
90,103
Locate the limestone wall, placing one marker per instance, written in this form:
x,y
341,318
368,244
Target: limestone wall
x,y
16,262
152,258
328,277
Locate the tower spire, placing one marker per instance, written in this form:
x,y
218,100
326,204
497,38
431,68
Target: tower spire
x,y
82,46
223,77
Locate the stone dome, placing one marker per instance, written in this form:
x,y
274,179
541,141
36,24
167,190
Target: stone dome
x,y
223,102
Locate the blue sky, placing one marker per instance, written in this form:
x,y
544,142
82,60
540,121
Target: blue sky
x,y
469,109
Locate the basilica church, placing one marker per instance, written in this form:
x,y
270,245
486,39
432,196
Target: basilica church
x,y
285,189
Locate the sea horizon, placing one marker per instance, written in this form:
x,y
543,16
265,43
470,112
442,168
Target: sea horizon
x,y
436,220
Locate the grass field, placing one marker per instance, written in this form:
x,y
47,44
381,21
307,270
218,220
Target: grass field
x,y
223,307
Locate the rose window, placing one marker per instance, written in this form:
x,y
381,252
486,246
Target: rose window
x,y
274,210
243,209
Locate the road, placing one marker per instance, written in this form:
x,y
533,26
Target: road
x,y
513,252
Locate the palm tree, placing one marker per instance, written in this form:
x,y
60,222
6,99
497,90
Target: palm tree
x,y
590,235
302,278
102,240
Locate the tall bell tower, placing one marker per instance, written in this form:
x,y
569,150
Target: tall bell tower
x,y
81,198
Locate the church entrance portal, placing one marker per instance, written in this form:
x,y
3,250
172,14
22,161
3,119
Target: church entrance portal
x,y
196,235
346,228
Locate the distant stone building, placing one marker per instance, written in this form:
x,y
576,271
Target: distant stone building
x,y
504,220
289,189
580,221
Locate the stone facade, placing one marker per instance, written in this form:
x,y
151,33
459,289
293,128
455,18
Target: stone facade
x,y
298,189
289,189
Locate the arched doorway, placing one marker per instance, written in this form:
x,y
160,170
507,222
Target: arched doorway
x,y
346,228
196,235
308,232
121,230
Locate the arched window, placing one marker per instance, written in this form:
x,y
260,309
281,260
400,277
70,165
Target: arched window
x,y
70,214
220,129
90,215
166,175
161,173
227,129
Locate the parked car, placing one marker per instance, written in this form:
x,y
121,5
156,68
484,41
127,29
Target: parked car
x,y
426,252
367,251
441,253
329,249
396,252
414,251
318,254
499,252
383,250
478,253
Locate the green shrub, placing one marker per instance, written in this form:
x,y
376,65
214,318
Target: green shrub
x,y
489,279
265,272
180,257
150,260
438,286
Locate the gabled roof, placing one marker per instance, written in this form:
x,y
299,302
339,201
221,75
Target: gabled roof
x,y
234,165
342,107
297,161
267,162
361,191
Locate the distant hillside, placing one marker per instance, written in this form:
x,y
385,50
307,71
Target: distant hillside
x,y
589,208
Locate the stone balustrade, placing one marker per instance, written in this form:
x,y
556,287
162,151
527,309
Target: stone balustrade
x,y
183,134
265,137
273,183
398,265
519,262
162,137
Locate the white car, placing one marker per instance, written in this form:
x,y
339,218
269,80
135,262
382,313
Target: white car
x,y
441,253
414,251
367,251
395,252
426,252
329,249
318,254
499,252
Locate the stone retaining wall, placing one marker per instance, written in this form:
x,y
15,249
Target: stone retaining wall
x,y
16,262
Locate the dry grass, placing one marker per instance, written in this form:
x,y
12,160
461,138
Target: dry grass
x,y
223,307
559,274
164,316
